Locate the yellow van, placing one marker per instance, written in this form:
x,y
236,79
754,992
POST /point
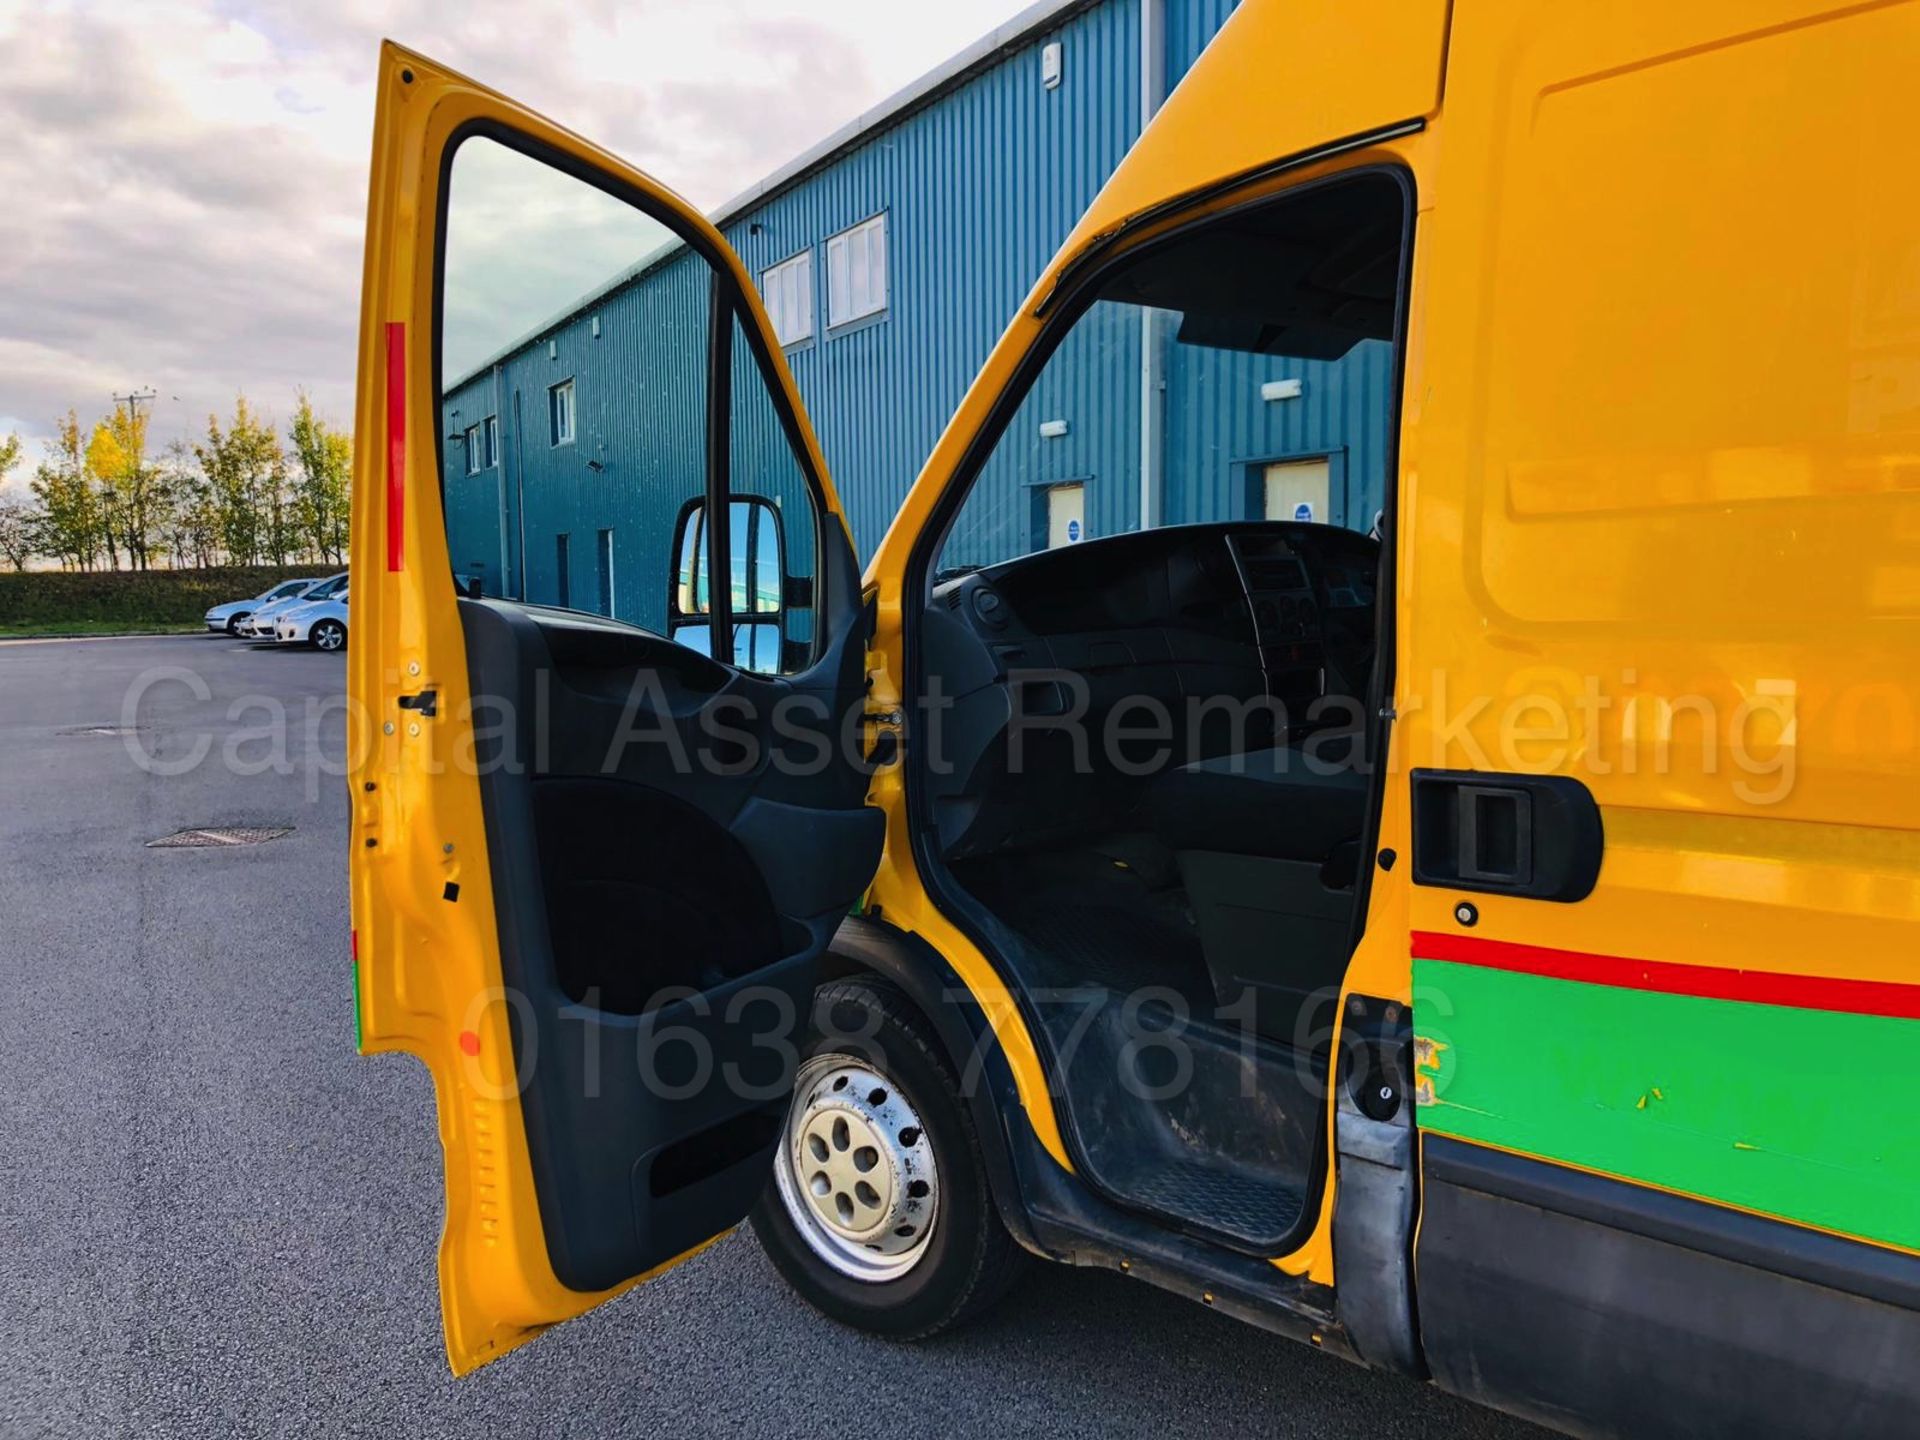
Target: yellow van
x,y
1480,941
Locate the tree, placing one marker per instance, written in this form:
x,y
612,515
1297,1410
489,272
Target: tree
x,y
132,491
69,525
190,528
18,528
281,529
17,523
322,482
246,475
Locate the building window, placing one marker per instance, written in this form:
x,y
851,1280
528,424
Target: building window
x,y
483,445
857,272
788,291
560,412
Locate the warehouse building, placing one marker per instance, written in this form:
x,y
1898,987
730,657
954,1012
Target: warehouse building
x,y
891,258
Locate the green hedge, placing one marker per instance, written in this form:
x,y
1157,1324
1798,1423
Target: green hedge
x,y
43,598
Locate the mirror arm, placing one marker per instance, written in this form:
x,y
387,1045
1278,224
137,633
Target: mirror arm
x,y
719,468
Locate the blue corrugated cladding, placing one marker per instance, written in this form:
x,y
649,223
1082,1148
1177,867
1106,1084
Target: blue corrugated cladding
x,y
1220,433
1188,27
978,187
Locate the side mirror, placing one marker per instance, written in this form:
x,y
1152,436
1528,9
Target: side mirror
x,y
759,589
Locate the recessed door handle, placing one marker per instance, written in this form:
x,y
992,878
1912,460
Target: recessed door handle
x,y
1534,836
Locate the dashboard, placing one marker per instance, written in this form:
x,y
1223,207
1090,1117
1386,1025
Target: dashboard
x,y
1064,680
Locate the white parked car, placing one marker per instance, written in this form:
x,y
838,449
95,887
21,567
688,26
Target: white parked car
x,y
319,623
260,624
230,616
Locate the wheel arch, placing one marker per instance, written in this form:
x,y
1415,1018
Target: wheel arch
x,y
864,946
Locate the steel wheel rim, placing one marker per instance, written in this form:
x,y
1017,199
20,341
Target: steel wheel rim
x,y
856,1171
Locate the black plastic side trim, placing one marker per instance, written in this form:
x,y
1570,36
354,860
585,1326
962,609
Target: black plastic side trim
x,y
1377,1200
1077,1227
1791,1251
1600,1307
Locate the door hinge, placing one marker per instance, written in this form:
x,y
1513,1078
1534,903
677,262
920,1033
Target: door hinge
x,y
427,702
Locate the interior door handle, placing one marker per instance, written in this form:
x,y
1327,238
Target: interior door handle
x,y
1535,836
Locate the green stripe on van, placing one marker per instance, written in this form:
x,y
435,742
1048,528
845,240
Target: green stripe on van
x,y
1801,1114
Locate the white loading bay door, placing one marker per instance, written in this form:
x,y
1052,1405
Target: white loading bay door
x,y
1298,490
1066,515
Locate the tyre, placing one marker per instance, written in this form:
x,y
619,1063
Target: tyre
x,y
879,1213
328,635
233,624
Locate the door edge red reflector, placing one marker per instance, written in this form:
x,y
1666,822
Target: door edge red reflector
x,y
396,443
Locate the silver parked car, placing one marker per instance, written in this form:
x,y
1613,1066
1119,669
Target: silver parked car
x,y
320,623
259,625
228,617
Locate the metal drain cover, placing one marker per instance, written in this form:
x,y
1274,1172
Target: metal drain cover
x,y
217,836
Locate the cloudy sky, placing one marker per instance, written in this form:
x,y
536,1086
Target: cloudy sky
x,y
183,182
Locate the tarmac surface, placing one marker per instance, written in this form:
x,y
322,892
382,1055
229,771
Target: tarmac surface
x,y
215,1218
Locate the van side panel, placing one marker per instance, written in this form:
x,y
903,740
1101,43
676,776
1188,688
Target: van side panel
x,y
1662,535
1282,78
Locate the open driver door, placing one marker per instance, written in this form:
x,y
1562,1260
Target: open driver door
x,y
605,678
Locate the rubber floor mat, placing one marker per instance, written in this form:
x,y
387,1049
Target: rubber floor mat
x,y
1229,1150
1251,1208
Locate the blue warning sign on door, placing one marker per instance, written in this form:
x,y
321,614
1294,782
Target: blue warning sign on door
x,y
1303,511
1073,532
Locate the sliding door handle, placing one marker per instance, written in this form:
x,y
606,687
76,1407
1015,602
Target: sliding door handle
x,y
1534,836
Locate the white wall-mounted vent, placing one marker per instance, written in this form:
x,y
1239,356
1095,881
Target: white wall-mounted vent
x,y
1280,390
1052,429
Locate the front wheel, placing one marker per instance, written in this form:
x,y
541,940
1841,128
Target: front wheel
x,y
328,635
880,1213
233,624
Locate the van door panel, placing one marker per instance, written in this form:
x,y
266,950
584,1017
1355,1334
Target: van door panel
x,y
593,869
1672,344
656,929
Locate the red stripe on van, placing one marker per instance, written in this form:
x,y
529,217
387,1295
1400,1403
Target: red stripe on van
x,y
1709,982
